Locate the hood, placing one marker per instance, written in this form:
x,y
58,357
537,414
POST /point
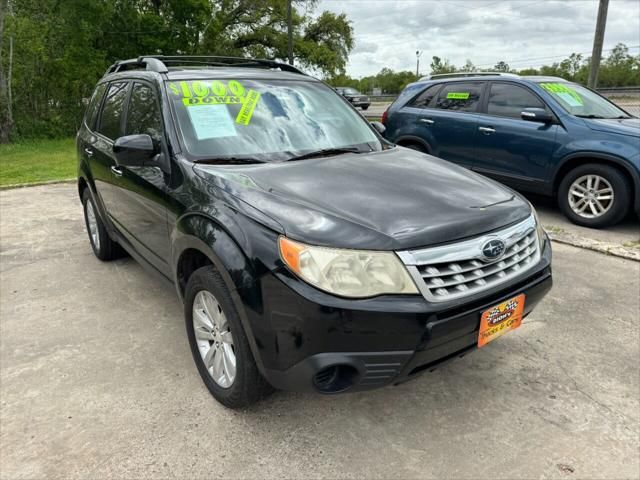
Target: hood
x,y
388,200
623,126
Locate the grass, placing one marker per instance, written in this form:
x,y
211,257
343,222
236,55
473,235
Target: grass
x,y
632,244
37,161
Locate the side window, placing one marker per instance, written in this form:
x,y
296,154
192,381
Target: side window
x,y
459,96
112,110
143,114
94,106
425,98
508,100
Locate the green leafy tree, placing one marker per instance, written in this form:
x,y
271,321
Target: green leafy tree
x,y
439,66
62,47
501,66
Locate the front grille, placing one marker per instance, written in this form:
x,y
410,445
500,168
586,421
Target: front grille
x,y
461,269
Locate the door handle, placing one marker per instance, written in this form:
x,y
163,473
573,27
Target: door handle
x,y
428,121
487,130
89,152
117,171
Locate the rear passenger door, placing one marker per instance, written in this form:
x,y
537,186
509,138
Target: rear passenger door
x,y
447,120
514,151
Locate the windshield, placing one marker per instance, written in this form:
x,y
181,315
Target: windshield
x,y
268,120
582,102
351,91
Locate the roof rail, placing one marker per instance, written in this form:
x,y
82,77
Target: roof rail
x,y
160,63
468,74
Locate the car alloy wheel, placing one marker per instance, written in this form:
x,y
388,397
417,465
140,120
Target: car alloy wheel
x,y
214,339
92,224
590,196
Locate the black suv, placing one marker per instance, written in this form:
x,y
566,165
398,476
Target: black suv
x,y
356,98
310,253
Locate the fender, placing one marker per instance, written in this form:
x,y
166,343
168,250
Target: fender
x,y
621,162
200,232
413,139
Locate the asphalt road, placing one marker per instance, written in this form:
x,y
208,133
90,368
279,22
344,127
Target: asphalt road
x,y
97,380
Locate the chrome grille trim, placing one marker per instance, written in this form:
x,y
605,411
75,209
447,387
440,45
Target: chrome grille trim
x,y
459,269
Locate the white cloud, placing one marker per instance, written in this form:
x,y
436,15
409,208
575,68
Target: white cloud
x,y
523,33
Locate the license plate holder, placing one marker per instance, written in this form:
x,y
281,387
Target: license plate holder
x,y
500,319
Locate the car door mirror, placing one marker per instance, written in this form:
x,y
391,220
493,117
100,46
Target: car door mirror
x,y
380,128
134,150
536,115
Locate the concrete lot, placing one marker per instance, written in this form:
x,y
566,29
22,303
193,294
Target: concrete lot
x,y
97,380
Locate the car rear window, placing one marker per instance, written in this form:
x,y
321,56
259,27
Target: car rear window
x,y
463,97
425,98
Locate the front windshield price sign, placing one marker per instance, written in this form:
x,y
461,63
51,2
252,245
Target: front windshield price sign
x,y
216,92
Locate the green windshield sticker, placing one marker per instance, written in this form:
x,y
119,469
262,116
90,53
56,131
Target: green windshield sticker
x,y
568,94
245,113
458,96
200,92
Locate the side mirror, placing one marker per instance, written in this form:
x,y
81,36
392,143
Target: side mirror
x,y
134,150
536,115
379,127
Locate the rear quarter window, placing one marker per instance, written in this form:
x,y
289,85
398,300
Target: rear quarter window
x,y
94,106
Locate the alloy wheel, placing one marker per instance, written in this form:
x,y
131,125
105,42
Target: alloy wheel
x,y
214,339
92,223
590,196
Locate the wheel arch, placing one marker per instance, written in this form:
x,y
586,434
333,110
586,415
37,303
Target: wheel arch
x,y
198,241
405,140
572,161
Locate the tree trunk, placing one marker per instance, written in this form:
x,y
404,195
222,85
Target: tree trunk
x,y
6,114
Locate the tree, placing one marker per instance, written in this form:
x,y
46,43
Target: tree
x,y
6,110
501,67
439,66
469,67
64,46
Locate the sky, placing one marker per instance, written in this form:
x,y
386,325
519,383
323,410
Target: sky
x,y
524,33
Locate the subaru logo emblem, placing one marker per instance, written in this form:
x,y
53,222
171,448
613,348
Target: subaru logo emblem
x,y
493,249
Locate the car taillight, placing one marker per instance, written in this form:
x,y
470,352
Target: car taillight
x,y
384,117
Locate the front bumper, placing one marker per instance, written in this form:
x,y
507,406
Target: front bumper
x,y
307,338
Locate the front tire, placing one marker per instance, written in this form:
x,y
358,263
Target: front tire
x,y
218,342
594,195
103,247
365,107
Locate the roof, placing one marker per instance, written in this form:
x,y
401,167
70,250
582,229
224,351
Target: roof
x,y
542,78
183,67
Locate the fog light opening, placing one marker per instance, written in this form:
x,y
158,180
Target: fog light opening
x,y
335,379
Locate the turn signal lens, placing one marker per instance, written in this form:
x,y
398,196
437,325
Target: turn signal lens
x,y
348,273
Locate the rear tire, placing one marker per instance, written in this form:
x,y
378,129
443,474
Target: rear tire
x,y
103,247
594,195
221,350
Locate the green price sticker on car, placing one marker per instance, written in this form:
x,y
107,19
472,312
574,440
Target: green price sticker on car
x,y
458,96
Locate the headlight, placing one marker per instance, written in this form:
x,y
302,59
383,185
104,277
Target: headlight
x,y
539,229
348,273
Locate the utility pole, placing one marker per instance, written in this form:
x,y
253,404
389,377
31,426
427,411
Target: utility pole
x,y
597,44
418,54
289,33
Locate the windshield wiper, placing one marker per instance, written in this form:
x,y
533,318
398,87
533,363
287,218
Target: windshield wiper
x,y
590,116
226,161
325,152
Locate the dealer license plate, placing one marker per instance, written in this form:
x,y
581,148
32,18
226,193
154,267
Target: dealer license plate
x,y
500,319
